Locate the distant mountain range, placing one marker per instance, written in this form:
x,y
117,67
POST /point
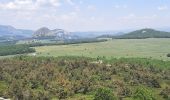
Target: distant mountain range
x,y
9,32
144,33
111,35
94,34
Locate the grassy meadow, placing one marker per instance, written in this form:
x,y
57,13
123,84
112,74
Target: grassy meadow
x,y
143,48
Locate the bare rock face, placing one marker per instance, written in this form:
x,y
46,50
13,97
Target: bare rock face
x,y
58,34
41,32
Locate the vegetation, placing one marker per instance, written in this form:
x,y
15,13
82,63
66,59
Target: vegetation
x,y
143,48
144,33
104,94
48,42
168,55
3,43
45,78
15,49
143,94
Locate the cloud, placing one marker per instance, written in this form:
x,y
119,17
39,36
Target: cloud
x,y
47,3
134,20
161,8
70,2
70,16
91,7
133,16
29,4
120,6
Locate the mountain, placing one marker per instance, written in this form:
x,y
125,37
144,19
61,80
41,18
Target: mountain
x,y
144,33
58,34
111,35
94,34
9,32
42,32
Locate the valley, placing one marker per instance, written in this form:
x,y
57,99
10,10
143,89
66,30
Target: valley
x,y
155,48
84,49
58,65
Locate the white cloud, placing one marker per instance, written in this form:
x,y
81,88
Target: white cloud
x,y
120,6
140,21
70,2
55,3
69,16
130,16
91,7
17,5
77,8
23,2
29,4
161,8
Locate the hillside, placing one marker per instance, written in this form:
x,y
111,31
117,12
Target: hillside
x,y
9,32
111,35
144,33
98,34
58,34
49,78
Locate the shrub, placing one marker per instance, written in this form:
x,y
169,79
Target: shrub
x,y
62,94
124,92
168,55
165,93
104,94
143,93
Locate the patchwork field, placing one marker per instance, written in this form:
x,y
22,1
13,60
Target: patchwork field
x,y
143,48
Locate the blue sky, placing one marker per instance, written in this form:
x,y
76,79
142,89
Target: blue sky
x,y
85,15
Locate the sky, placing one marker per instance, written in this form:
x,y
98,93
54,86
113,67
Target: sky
x,y
85,15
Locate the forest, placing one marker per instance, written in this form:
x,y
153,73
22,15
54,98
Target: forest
x,y
62,78
15,49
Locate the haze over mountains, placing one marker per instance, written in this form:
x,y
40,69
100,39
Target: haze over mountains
x,y
9,32
144,33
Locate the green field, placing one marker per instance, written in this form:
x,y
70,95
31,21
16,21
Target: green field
x,y
143,48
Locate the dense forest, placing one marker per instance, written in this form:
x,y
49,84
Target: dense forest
x,y
49,78
15,49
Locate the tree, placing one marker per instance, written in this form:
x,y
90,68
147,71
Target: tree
x,y
104,94
168,55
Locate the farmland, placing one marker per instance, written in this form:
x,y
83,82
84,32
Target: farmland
x,y
143,48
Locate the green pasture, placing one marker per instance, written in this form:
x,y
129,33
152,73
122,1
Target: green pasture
x,y
143,48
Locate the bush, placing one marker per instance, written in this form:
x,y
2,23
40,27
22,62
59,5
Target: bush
x,y
168,55
124,92
62,94
165,93
143,93
104,94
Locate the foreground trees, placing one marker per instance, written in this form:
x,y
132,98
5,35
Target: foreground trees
x,y
104,94
143,93
45,78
